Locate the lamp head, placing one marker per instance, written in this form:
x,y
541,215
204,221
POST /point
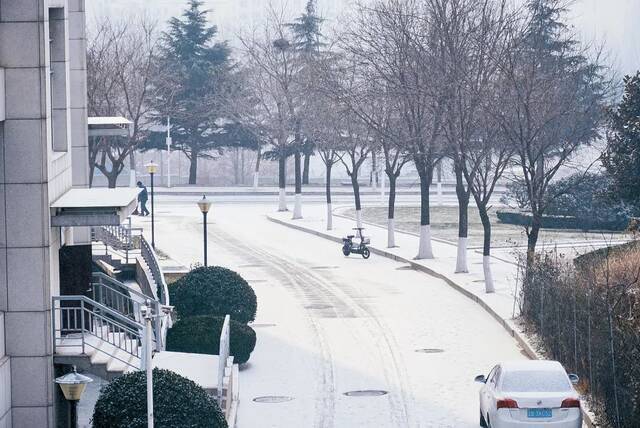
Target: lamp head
x,y
73,384
204,204
152,167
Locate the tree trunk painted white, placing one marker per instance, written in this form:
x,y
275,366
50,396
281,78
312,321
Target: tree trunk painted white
x,y
329,217
461,260
439,187
297,208
391,234
132,170
425,251
488,277
256,180
358,218
282,206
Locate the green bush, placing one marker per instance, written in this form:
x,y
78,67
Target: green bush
x,y
214,291
201,335
178,402
562,222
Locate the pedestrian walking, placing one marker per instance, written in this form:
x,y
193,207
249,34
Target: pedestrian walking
x,y
143,196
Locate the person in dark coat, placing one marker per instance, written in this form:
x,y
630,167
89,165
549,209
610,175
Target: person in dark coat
x,y
143,196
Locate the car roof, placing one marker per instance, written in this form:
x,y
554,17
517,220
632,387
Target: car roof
x,y
531,365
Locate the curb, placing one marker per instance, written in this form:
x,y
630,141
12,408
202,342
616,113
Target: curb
x,y
506,324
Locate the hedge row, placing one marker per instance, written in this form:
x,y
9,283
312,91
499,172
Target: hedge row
x,y
587,316
562,222
201,335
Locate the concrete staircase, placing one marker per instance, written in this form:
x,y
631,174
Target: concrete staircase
x,y
106,354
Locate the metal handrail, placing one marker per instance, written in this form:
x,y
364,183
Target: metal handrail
x,y
86,317
163,324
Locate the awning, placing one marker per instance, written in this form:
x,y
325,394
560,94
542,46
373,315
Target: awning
x,y
94,207
109,126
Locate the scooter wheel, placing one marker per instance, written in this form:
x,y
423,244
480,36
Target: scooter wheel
x,y
346,251
366,253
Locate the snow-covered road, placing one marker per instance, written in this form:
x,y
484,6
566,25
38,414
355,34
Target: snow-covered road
x,y
328,324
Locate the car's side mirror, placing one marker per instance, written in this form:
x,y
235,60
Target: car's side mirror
x,y
481,379
574,378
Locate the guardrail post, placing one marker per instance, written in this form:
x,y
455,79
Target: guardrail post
x,y
82,322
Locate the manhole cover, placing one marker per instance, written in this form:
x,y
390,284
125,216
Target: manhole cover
x,y
258,325
324,267
366,393
318,306
273,399
430,350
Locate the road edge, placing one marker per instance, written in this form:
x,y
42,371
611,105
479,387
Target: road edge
x,y
508,325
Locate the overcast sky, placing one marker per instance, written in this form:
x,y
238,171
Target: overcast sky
x,y
614,22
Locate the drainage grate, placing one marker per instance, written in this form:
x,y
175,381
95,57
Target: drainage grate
x,y
273,399
258,325
254,265
478,280
256,280
430,350
318,306
324,267
366,393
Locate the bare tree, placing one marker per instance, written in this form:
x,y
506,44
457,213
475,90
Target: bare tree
x,y
552,102
396,40
275,71
119,68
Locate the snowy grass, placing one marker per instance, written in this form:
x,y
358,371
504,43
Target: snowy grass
x,y
444,225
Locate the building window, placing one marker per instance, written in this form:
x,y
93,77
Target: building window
x,y
58,65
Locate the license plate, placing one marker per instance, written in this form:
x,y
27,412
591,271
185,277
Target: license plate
x,y
539,413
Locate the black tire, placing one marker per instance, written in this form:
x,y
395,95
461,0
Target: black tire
x,y
346,251
483,423
366,253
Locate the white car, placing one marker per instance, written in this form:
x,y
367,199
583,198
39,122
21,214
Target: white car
x,y
528,394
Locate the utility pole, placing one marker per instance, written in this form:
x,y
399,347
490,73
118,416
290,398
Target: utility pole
x,y
168,151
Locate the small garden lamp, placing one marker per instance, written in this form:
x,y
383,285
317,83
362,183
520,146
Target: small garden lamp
x,y
152,168
73,385
204,204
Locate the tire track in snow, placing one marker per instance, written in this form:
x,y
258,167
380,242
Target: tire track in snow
x,y
341,298
325,408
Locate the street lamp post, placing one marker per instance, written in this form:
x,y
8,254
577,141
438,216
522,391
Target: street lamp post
x,y
147,314
152,168
204,204
73,385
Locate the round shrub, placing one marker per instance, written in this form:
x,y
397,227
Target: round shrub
x,y
214,291
177,402
201,335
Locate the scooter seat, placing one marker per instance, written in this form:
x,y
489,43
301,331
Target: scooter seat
x,y
350,236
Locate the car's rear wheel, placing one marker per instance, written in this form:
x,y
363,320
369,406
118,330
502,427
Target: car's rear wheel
x,y
483,423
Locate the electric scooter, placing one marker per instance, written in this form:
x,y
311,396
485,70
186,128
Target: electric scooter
x,y
348,246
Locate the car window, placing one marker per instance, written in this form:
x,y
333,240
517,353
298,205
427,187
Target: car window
x,y
492,373
535,381
496,377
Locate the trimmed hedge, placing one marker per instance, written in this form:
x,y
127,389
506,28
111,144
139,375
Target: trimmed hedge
x,y
562,222
178,402
201,335
214,291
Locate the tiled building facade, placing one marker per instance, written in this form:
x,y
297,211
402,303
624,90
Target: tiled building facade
x,y
43,153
